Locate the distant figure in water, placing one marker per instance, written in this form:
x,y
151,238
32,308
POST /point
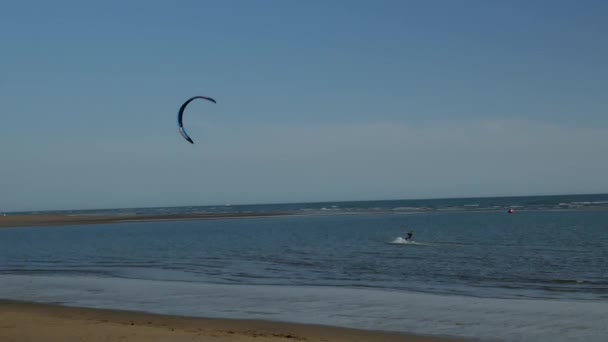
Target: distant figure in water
x,y
511,211
409,236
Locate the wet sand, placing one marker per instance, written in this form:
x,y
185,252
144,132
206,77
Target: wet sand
x,y
10,221
41,322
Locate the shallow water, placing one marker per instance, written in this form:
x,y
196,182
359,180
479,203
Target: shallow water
x,y
560,255
488,319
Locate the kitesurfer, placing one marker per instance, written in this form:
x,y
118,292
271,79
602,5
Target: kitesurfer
x,y
409,236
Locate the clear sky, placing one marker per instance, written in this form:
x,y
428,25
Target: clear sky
x,y
317,100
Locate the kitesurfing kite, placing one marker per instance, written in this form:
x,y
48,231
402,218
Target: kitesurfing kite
x,y
180,114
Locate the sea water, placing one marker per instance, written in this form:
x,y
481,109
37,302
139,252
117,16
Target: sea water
x,y
536,275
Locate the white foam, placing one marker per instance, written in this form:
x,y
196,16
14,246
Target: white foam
x,y
484,318
401,241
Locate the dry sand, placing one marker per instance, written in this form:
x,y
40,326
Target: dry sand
x,y
41,322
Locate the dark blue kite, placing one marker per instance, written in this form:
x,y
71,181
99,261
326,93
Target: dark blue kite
x,y
180,114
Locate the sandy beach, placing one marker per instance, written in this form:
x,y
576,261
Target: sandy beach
x,y
41,322
63,220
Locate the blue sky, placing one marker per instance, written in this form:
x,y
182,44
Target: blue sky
x,y
317,100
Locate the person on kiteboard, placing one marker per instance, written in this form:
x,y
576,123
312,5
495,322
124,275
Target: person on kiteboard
x,y
409,236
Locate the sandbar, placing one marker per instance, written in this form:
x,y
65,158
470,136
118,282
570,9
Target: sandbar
x,y
42,220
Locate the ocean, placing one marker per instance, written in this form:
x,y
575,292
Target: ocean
x,y
475,271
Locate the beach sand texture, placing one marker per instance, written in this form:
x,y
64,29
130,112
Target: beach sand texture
x,y
21,322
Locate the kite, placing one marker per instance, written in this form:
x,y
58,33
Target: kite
x,y
180,115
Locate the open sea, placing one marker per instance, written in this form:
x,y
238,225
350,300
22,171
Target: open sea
x,y
539,274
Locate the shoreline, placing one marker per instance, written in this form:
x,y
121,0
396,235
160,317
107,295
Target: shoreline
x,y
396,313
57,322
